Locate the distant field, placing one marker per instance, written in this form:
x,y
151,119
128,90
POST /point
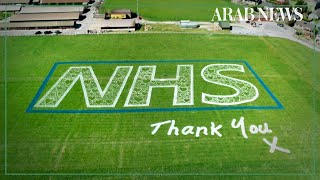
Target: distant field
x,y
201,10
121,143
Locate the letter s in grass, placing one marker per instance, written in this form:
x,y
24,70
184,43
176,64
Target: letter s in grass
x,y
245,91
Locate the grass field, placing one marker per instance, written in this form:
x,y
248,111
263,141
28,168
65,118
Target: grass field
x,y
201,10
3,15
122,143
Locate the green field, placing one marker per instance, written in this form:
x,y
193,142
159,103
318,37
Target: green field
x,y
121,143
165,10
3,15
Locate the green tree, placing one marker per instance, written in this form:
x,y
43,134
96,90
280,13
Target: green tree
x,y
302,5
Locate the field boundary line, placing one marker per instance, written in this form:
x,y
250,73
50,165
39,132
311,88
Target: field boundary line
x,y
5,98
159,174
315,83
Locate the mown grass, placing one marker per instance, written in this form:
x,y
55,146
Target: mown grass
x,y
122,143
201,10
3,15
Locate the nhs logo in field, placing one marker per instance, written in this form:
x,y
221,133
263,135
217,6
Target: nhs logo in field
x,y
152,86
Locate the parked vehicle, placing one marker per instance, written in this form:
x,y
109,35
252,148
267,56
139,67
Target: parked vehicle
x,y
280,25
253,24
48,32
57,32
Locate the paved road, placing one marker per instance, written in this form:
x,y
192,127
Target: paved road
x,y
270,29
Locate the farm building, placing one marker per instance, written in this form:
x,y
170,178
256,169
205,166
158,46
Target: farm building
x,y
51,9
10,8
38,25
118,25
225,25
64,1
188,24
121,14
41,21
14,1
44,17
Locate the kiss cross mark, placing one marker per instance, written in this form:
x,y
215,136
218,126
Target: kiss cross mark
x,y
273,145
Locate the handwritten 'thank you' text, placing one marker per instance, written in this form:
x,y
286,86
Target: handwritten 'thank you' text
x,y
215,130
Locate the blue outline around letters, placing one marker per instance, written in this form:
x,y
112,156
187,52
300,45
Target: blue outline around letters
x,y
174,109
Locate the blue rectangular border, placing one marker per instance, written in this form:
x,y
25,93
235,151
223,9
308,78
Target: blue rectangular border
x,y
133,110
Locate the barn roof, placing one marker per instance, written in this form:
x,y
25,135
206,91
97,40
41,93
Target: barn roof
x,y
121,11
44,17
37,24
118,23
14,1
62,1
9,8
50,9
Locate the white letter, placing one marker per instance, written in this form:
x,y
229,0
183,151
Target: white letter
x,y
172,127
297,12
265,130
241,125
227,13
94,95
249,13
157,126
271,14
144,81
216,13
261,11
288,13
283,16
245,91
254,129
214,130
274,146
238,14
204,129
187,130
